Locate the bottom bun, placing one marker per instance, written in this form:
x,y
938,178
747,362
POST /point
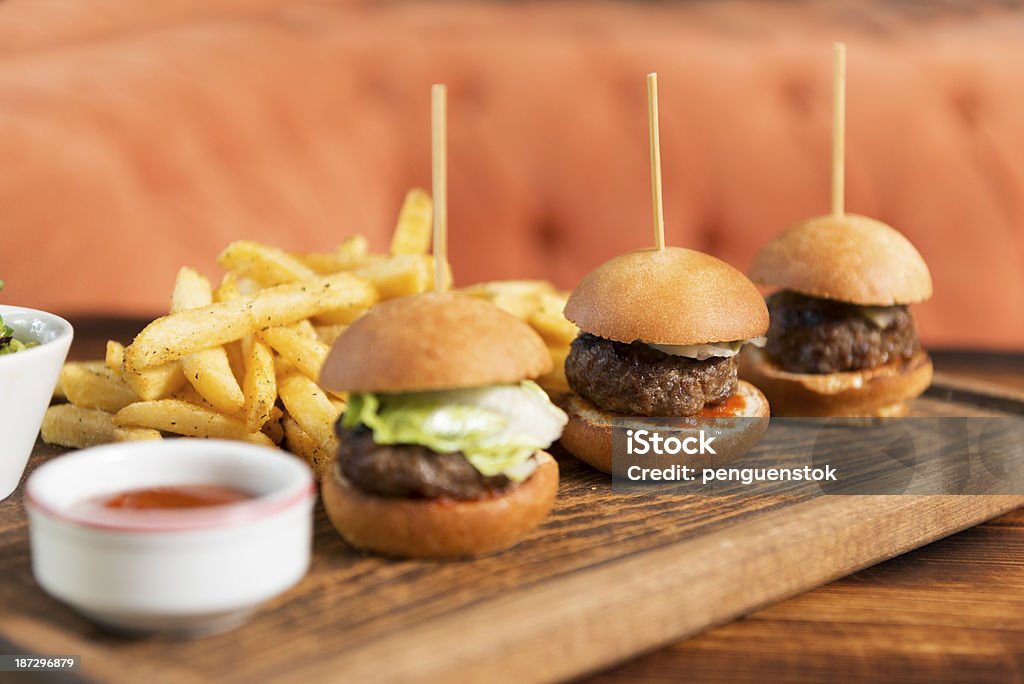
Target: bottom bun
x,y
439,528
588,434
872,392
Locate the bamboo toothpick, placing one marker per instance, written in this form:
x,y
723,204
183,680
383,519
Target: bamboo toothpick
x,y
652,125
839,130
439,178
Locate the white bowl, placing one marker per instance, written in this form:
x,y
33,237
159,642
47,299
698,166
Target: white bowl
x,y
180,572
27,379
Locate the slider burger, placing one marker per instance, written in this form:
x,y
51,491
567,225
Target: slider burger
x,y
442,441
842,341
659,334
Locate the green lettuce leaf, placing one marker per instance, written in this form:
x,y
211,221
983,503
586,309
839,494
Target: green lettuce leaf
x,y
496,428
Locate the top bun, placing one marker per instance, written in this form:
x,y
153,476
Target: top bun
x,y
433,341
672,296
848,258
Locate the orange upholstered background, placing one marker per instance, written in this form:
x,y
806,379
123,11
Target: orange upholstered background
x,y
137,137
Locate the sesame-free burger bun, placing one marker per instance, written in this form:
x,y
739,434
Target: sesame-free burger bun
x,y
439,528
588,434
873,392
671,296
848,258
433,341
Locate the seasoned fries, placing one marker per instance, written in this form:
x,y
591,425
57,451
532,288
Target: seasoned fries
x,y
241,361
156,382
400,275
95,387
266,265
184,418
77,427
179,334
208,370
260,385
351,254
301,444
519,297
305,353
415,224
547,319
309,406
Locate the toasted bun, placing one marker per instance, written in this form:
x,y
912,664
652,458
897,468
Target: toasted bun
x,y
881,391
436,528
673,296
433,341
849,258
588,435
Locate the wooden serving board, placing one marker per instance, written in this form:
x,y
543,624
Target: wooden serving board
x,y
608,577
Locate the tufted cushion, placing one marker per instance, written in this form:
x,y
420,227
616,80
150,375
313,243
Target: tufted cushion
x,y
135,145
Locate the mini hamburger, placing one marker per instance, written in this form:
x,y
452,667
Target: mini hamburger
x,y
442,441
842,340
659,335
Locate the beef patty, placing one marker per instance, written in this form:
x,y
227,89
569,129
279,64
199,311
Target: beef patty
x,y
813,335
410,470
639,380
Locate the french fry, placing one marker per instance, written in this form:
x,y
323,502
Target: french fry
x,y
191,290
554,382
183,418
309,406
229,288
259,386
415,224
73,426
301,444
267,265
78,427
273,427
156,382
304,328
350,254
207,370
547,319
177,335
136,434
519,297
114,358
188,394
306,354
95,387
400,275
340,316
329,333
236,358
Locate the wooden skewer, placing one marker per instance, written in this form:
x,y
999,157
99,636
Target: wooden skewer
x,y
652,125
439,178
839,130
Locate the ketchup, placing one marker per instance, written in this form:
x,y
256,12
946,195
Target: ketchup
x,y
177,496
727,409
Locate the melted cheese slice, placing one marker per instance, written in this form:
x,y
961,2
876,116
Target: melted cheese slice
x,y
702,352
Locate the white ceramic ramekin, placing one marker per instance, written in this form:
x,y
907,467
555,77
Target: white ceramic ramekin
x,y
186,572
27,379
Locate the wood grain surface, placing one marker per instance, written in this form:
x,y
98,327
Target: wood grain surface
x,y
608,577
952,611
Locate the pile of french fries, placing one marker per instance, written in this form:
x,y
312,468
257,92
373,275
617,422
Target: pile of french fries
x,y
241,360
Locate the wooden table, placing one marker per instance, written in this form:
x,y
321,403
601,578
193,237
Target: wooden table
x,y
952,611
